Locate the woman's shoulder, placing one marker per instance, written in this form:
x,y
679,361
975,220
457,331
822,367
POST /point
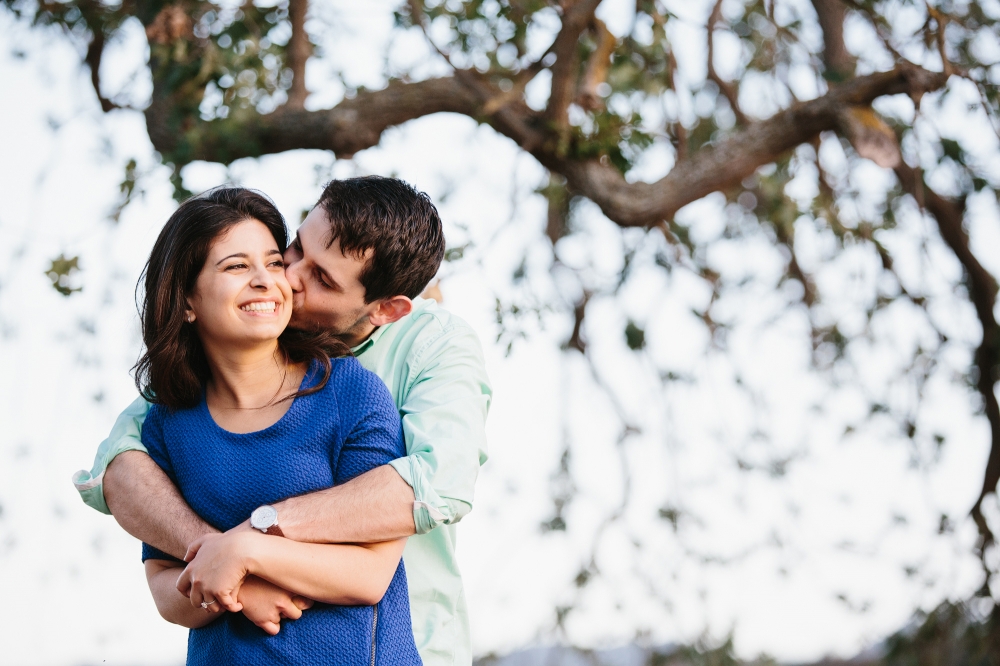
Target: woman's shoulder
x,y
160,413
347,373
359,390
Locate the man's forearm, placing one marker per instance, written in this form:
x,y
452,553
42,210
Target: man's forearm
x,y
148,505
376,506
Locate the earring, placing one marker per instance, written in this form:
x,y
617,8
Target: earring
x,y
190,318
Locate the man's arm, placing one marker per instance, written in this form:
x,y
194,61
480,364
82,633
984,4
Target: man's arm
x,y
444,422
147,504
126,435
376,506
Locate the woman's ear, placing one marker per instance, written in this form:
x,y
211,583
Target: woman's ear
x,y
390,310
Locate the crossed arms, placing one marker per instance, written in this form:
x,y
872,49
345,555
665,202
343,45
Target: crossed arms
x,y
443,400
342,546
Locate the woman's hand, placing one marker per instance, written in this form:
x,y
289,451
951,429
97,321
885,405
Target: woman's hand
x,y
217,565
162,578
265,604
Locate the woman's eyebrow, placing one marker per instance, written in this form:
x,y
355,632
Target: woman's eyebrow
x,y
244,255
238,255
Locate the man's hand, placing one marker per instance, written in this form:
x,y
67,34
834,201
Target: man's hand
x,y
216,569
265,604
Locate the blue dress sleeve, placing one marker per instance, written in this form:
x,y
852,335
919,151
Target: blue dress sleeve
x,y
152,439
373,432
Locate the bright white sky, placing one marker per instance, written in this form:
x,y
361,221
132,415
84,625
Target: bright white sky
x,y
824,529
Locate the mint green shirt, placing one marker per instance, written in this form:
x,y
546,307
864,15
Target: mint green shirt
x,y
433,364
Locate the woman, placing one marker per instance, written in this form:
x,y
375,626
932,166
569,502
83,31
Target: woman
x,y
247,413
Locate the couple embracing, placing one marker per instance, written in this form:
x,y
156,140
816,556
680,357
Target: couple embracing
x,y
308,433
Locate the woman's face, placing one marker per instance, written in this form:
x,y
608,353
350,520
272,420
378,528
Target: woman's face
x,y
241,297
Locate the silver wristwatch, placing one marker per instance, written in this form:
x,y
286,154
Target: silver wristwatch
x,y
265,519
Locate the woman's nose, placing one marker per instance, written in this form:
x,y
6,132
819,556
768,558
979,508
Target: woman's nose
x,y
262,278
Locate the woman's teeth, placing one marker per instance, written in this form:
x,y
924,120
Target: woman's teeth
x,y
259,307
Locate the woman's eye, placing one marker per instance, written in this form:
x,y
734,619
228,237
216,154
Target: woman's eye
x,y
235,266
279,263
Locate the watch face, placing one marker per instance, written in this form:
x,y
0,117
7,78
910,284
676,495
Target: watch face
x,y
263,517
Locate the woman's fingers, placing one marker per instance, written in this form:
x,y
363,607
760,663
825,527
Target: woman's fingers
x,y
193,549
270,627
302,603
184,582
230,602
291,611
197,595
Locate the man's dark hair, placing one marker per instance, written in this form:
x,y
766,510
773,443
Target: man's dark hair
x,y
173,369
396,222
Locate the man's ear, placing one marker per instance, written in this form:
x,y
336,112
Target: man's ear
x,y
390,310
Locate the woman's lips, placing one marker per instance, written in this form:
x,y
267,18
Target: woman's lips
x,y
260,307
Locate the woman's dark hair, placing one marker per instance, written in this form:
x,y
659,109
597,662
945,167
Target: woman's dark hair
x,y
173,370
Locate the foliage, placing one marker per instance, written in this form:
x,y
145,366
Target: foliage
x,y
617,104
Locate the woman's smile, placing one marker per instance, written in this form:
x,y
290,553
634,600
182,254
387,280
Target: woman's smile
x,y
241,295
268,307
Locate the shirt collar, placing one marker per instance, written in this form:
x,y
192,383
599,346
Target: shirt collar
x,y
369,341
418,304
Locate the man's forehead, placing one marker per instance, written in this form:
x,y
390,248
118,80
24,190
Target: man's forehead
x,y
318,231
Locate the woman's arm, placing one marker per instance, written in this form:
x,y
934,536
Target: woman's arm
x,y
342,574
264,603
161,575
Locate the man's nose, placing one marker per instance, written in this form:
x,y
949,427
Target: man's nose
x,y
292,269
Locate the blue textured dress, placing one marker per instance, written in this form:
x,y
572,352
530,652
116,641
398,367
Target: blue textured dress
x,y
324,439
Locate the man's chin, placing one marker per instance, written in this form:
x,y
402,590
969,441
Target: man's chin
x,y
303,322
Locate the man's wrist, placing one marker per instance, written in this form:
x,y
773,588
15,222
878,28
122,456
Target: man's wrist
x,y
288,516
264,519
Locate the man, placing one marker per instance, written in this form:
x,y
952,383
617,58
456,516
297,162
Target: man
x,y
356,267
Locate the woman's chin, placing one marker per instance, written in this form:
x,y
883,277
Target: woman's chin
x,y
250,336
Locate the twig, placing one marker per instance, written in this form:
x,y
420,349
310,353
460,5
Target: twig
x,y
299,49
727,89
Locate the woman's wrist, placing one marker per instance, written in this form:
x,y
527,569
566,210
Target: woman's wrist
x,y
252,548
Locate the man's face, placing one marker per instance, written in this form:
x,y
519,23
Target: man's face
x,y
327,292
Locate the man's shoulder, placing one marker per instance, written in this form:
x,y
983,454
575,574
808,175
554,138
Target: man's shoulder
x,y
430,321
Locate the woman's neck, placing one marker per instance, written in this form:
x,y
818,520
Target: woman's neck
x,y
250,377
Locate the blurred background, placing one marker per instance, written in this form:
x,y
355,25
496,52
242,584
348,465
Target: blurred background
x,y
745,412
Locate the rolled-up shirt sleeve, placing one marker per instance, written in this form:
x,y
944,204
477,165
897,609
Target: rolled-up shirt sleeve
x,y
444,424
126,435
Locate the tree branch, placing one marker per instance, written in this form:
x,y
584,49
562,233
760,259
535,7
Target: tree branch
x,y
726,88
576,16
298,51
596,71
95,51
576,340
352,125
724,164
838,61
982,287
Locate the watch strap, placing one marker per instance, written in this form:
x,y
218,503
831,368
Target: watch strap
x,y
274,530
